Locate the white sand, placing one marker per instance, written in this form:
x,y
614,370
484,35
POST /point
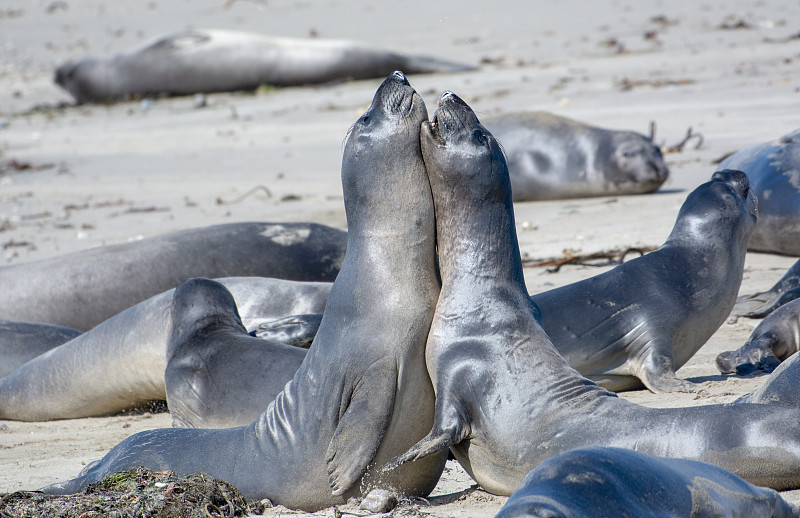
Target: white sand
x,y
171,162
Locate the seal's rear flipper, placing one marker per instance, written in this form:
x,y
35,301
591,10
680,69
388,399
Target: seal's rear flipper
x,y
362,427
437,440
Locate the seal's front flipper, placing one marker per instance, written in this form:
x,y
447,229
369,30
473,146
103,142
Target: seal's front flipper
x,y
658,375
296,330
361,428
440,437
758,354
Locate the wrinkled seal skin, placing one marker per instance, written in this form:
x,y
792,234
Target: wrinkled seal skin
x,y
775,339
362,394
552,158
217,375
641,321
774,171
762,304
83,289
121,363
505,399
589,482
203,60
23,341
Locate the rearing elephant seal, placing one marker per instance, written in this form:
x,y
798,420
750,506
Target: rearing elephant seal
x,y
203,60
591,482
774,172
552,158
505,399
82,289
361,395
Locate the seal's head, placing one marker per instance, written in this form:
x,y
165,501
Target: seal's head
x,y
634,160
382,169
455,141
719,211
90,80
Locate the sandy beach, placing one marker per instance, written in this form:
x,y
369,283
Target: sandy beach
x,y
75,177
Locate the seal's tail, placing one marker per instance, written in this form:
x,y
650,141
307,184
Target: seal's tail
x,y
428,65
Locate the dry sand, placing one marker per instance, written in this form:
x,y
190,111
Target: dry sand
x,y
109,174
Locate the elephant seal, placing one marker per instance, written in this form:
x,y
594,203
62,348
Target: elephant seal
x,y
361,396
759,305
775,339
204,60
552,158
121,363
506,400
23,341
217,375
94,285
774,172
590,482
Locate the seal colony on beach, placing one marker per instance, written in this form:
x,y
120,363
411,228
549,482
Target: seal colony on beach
x,y
212,60
505,399
362,394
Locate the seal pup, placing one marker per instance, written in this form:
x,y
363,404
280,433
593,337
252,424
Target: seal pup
x,y
23,341
121,363
85,288
212,60
217,375
774,171
361,396
759,305
591,482
506,400
775,339
552,158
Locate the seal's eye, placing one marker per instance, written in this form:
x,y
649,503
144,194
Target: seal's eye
x,y
478,136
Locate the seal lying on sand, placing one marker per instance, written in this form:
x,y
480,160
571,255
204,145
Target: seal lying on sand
x,y
83,289
505,398
121,363
22,341
590,482
775,339
202,60
761,304
774,172
551,157
361,395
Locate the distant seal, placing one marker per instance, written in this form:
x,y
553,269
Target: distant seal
x,y
96,284
217,375
774,171
506,400
761,304
23,341
589,482
121,363
552,158
775,339
204,60
362,395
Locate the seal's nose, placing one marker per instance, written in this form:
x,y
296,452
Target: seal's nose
x,y
445,95
401,76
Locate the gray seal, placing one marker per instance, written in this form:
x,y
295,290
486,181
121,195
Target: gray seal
x,y
773,168
23,341
551,157
205,60
590,482
217,375
775,339
94,285
361,396
121,363
506,400
759,305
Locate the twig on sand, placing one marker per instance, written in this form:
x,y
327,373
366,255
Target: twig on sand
x,y
602,258
255,189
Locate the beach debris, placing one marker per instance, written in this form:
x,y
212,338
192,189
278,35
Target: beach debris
x,y
611,257
249,193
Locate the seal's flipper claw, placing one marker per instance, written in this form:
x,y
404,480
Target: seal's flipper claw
x,y
430,444
296,330
362,427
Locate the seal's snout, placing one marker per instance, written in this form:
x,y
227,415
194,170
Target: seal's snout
x,y
401,77
736,179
